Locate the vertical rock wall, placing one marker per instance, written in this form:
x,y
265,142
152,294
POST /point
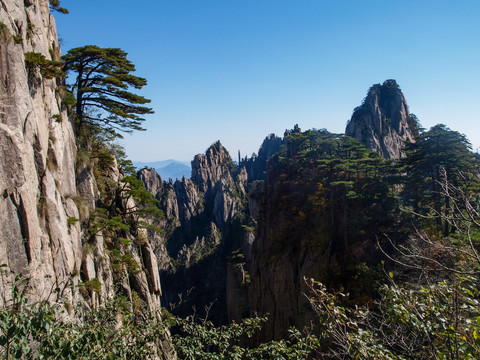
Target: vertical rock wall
x,y
42,186
37,155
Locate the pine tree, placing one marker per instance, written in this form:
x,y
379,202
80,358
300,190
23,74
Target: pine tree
x,y
103,78
436,154
55,6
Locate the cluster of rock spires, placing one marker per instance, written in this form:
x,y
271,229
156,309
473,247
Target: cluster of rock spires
x,y
212,250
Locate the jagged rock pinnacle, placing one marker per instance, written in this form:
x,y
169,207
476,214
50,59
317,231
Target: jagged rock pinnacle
x,y
383,122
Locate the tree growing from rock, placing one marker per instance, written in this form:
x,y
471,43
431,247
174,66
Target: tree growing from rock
x,y
102,89
55,6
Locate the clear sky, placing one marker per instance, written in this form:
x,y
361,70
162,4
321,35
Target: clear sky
x,y
238,70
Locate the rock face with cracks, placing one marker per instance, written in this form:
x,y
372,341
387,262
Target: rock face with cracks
x,y
37,156
202,217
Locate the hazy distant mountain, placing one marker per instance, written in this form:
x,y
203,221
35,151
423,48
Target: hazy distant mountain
x,y
168,168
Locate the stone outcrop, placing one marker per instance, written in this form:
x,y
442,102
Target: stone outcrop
x,y
152,181
383,122
256,166
209,169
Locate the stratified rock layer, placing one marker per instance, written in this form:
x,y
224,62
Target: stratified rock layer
x,y
383,122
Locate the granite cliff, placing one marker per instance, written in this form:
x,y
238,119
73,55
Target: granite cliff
x,y
49,181
383,122
38,151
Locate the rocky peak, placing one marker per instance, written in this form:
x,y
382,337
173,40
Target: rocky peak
x,y
152,181
208,169
383,122
256,166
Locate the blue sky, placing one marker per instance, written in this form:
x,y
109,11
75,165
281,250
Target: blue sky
x,y
238,70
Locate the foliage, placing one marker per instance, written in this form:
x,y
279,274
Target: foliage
x,y
4,27
55,6
72,220
435,313
200,339
439,321
437,153
41,330
57,117
48,68
102,79
17,38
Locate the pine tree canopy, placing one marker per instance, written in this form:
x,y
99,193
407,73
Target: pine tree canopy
x,y
103,79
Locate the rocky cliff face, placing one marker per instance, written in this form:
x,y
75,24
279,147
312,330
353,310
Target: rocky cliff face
x,y
48,194
383,122
256,166
37,156
308,227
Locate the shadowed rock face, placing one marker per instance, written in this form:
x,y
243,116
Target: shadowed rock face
x,y
383,122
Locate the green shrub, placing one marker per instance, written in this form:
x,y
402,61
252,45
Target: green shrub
x,y
72,220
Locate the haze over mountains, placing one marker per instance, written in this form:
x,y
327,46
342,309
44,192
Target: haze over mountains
x,y
167,169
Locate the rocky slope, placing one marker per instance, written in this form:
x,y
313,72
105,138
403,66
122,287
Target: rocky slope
x,y
383,122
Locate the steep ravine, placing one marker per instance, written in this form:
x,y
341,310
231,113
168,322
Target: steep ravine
x,y
243,237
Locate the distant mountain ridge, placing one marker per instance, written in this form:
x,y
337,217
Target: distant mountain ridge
x,y
167,169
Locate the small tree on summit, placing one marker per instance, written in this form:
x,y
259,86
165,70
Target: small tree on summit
x,y
101,89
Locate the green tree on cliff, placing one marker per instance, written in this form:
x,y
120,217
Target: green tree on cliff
x,y
103,80
55,6
437,155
